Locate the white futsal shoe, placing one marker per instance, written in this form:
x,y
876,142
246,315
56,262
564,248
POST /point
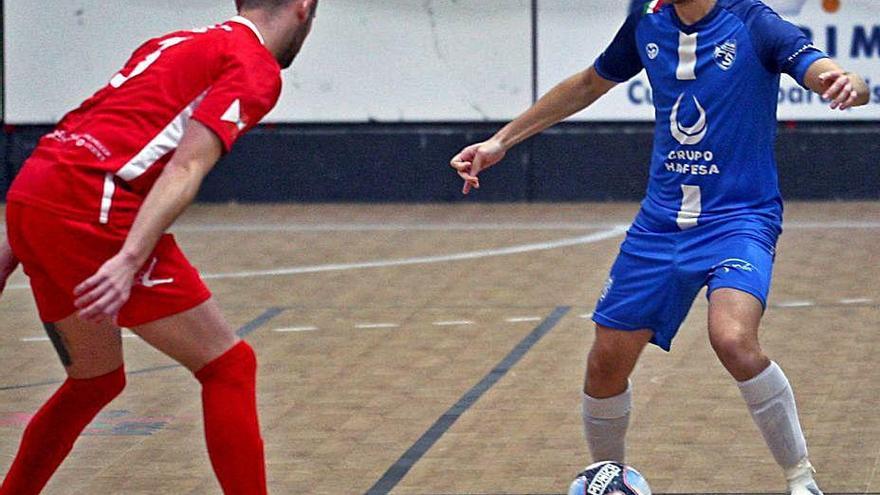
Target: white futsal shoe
x,y
800,479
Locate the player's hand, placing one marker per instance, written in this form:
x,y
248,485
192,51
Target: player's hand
x,y
474,159
839,89
103,294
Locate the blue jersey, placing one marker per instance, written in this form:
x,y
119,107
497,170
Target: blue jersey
x,y
715,88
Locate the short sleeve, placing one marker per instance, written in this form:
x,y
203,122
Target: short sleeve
x,y
239,99
620,61
782,46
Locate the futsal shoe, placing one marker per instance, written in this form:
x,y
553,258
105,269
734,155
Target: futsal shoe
x,y
800,479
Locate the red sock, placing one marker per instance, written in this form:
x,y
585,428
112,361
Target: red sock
x,y
229,399
51,433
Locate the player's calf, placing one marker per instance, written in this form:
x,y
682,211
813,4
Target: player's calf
x,y
232,429
52,431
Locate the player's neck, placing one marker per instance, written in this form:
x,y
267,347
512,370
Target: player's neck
x,y
692,11
274,33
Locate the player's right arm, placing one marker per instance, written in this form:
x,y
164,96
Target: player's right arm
x,y
566,99
103,294
617,64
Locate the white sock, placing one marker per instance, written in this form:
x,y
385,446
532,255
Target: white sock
x,y
772,405
605,425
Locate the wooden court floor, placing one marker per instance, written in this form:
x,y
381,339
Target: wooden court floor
x,y
439,349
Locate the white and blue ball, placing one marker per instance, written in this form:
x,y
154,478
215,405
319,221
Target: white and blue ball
x,y
607,478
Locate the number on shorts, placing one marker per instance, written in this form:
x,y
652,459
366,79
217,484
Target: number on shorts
x,y
120,78
691,207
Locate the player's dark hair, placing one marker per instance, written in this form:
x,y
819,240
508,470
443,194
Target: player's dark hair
x,y
264,4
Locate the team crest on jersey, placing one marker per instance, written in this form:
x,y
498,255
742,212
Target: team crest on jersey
x,y
653,50
725,54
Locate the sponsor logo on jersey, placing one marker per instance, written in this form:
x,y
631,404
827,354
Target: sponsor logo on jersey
x,y
602,479
688,135
653,50
725,54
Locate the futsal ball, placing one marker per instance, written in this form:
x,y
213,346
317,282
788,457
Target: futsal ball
x,y
609,478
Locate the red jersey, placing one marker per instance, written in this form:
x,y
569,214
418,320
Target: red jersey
x,y
102,158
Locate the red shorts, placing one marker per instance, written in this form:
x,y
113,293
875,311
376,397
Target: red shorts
x,y
59,253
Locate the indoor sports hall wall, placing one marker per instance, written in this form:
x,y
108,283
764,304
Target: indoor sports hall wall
x,y
386,91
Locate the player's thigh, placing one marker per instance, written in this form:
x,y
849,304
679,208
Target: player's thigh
x,y
193,338
734,318
618,350
739,284
86,349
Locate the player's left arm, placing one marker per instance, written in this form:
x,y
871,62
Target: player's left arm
x,y
844,89
8,263
103,294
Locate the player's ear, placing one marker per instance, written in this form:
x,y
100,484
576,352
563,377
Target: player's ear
x,y
306,9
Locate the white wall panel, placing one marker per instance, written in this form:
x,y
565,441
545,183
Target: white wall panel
x,y
414,60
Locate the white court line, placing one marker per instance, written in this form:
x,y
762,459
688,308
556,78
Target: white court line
x,y
453,323
857,300
795,304
520,319
471,255
376,325
586,316
421,227
295,329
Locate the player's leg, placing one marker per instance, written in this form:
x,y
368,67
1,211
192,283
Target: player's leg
x,y
635,298
734,318
226,366
607,399
92,357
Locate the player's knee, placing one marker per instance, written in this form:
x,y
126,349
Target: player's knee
x,y
733,347
99,390
238,364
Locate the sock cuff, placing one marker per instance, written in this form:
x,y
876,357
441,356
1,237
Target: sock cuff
x,y
239,360
610,408
768,384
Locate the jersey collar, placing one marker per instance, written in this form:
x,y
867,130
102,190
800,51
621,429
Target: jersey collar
x,y
253,27
689,29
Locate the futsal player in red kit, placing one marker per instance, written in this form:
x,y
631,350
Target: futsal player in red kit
x,y
86,217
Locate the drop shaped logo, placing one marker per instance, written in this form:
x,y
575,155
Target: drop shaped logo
x,y
688,135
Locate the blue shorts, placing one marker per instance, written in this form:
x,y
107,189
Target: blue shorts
x,y
657,276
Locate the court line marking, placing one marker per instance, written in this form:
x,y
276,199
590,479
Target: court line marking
x,y
401,467
420,260
295,329
453,323
247,329
794,304
522,319
376,325
856,300
486,226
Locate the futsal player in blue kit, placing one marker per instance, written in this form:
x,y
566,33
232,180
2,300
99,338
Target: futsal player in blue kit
x,y
712,213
